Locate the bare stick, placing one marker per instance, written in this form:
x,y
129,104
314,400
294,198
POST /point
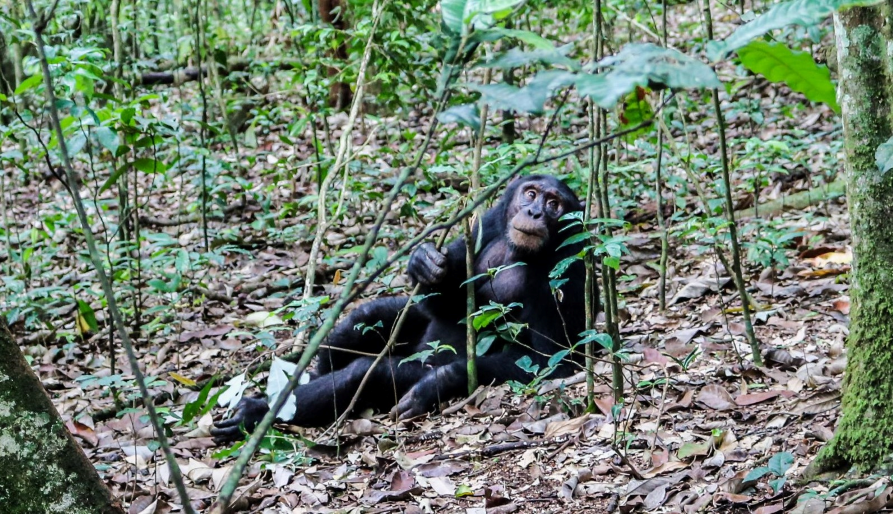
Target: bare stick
x,y
730,210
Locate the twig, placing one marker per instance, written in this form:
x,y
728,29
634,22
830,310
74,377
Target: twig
x,y
625,461
495,449
452,409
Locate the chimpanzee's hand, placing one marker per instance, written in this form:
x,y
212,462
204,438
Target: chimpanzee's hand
x,y
420,399
427,265
248,414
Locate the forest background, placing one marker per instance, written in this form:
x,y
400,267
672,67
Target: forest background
x,y
192,187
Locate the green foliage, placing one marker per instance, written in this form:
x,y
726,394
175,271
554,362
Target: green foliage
x,y
770,244
644,64
202,404
798,70
800,12
516,58
466,115
460,16
636,65
777,466
424,355
529,99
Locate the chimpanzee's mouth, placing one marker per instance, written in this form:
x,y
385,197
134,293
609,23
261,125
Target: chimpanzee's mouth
x,y
529,232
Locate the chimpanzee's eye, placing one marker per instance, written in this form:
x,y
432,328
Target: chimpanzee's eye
x,y
531,194
553,204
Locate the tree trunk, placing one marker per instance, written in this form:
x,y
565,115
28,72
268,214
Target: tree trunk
x,y
333,12
42,468
864,435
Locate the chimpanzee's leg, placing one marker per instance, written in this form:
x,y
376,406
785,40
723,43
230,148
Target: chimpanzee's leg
x,y
377,318
450,380
320,401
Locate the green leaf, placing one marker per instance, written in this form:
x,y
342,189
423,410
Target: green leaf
x,y
464,490
87,315
780,463
505,96
644,64
165,287
555,359
604,340
29,83
482,320
108,138
563,265
516,58
798,70
459,15
800,12
194,407
466,115
149,165
636,109
756,474
76,143
574,239
777,484
113,177
884,156
84,85
182,261
526,363
421,356
694,448
529,99
484,343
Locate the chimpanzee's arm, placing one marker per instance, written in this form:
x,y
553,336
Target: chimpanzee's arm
x,y
440,275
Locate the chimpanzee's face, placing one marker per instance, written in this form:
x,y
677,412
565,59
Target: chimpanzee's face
x,y
534,211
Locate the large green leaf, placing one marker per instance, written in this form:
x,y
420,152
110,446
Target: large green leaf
x,y
800,12
107,138
644,64
798,70
149,165
505,97
459,15
515,58
528,99
466,115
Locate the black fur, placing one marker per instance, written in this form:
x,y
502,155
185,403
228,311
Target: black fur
x,y
416,387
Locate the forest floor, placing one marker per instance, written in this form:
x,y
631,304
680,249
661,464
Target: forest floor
x,y
679,445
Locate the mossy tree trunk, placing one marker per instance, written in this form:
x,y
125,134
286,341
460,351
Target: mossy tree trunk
x,y
42,468
864,436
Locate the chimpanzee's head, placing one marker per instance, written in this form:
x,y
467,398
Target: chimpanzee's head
x,y
533,207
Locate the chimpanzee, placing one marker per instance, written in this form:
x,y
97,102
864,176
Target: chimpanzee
x,y
523,227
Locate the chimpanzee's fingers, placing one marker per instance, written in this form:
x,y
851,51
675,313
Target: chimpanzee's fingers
x,y
435,255
409,407
434,273
226,435
234,421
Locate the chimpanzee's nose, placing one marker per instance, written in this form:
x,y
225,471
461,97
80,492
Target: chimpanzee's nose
x,y
534,213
